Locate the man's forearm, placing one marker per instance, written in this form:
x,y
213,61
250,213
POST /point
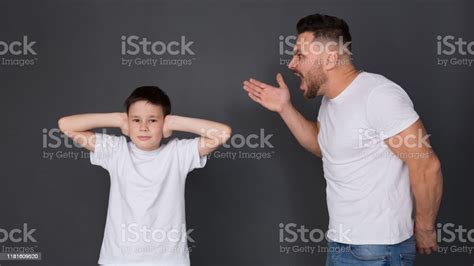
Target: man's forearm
x,y
427,188
85,122
305,131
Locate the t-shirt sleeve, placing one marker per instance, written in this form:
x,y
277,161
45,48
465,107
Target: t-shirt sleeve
x,y
188,154
390,110
105,150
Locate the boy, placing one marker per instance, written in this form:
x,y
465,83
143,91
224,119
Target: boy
x,y
146,215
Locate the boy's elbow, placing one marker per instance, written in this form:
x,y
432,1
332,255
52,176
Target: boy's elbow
x,y
226,133
61,124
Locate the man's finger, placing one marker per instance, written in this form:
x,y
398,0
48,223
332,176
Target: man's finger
x,y
253,93
254,98
259,84
420,250
253,87
280,81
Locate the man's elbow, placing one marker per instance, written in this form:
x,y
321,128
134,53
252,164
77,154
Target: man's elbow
x,y
428,171
434,167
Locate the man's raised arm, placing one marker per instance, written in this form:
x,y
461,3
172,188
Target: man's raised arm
x,y
278,100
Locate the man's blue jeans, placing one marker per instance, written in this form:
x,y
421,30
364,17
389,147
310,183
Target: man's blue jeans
x,y
401,254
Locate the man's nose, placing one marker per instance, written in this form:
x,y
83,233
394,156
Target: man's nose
x,y
292,64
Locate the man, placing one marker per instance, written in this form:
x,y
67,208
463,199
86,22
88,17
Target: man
x,y
374,148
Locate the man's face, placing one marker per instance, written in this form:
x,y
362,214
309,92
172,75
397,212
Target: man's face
x,y
145,125
307,64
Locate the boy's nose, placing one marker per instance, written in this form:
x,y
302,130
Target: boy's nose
x,y
143,127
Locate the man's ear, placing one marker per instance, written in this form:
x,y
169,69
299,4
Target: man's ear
x,y
331,60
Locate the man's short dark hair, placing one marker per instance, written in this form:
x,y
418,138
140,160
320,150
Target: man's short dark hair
x,y
151,94
325,26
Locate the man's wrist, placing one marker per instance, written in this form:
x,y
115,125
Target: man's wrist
x,y
285,108
424,225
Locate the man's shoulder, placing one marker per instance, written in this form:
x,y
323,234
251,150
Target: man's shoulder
x,y
373,80
379,84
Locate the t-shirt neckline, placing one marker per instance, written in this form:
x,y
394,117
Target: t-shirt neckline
x,y
137,150
343,94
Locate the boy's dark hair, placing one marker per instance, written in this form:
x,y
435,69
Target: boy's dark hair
x,y
151,94
325,26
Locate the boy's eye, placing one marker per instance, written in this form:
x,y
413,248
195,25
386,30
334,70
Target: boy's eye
x,y
135,120
153,120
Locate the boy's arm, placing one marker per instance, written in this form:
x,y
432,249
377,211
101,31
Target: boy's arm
x,y
213,134
78,127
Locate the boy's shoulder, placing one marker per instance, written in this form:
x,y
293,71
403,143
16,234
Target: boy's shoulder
x,y
182,145
109,140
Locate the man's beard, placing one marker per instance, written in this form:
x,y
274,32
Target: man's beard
x,y
315,80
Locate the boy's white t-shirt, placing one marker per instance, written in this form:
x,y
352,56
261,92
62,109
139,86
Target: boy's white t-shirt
x,y
368,187
146,214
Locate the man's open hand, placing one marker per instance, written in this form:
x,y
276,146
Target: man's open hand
x,y
272,98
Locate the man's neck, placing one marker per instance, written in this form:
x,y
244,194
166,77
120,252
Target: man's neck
x,y
340,81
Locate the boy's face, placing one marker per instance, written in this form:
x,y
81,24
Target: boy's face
x,y
145,125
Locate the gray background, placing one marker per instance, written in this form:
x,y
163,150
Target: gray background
x,y
235,206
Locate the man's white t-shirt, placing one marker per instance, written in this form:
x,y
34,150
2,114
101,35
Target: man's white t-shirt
x,y
146,214
368,187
